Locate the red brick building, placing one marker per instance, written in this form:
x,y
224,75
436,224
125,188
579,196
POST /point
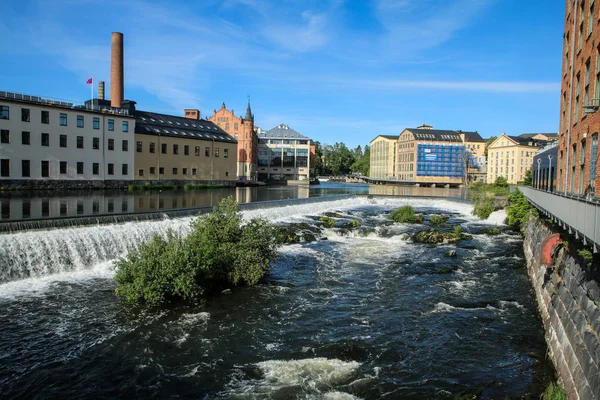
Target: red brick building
x,y
243,130
580,99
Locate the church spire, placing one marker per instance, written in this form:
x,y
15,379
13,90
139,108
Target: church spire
x,y
249,115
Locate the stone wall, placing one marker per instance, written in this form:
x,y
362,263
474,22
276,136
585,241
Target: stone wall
x,y
568,297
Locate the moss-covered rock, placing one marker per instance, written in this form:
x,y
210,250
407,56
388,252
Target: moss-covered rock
x,y
333,215
327,222
285,234
438,220
434,236
492,231
349,224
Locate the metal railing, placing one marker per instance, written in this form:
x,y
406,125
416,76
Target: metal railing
x,y
579,215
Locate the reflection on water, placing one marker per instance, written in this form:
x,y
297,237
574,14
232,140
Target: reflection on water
x,y
27,205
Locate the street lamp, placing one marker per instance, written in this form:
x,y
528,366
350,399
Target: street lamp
x,y
549,171
539,161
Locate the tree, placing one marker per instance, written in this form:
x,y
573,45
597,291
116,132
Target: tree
x,y
338,159
319,166
528,181
358,153
219,251
487,144
362,165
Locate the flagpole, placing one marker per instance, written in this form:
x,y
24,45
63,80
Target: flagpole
x,y
92,90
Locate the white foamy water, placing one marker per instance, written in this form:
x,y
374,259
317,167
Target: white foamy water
x,y
497,218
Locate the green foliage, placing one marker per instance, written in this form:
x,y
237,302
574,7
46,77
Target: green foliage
x,y
133,188
338,159
327,222
488,143
492,231
519,209
483,208
350,224
554,392
189,187
438,220
362,164
150,186
286,235
501,182
587,256
528,181
406,215
219,250
458,232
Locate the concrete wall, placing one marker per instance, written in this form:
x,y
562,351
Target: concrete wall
x,y
569,302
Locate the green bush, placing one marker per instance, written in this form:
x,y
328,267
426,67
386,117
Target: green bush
x,y
519,209
327,222
219,251
133,188
587,256
438,220
501,182
483,207
554,392
406,215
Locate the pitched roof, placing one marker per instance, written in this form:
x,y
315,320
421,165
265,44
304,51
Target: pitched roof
x,y
530,135
282,131
169,125
473,137
527,140
435,135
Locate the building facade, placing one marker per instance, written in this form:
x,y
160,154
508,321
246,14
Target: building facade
x,y
171,148
383,157
512,156
544,167
284,154
53,144
243,130
578,166
427,155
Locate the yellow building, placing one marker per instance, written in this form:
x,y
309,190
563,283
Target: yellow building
x,y
511,156
383,157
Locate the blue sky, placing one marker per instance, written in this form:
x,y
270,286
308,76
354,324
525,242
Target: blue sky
x,y
333,70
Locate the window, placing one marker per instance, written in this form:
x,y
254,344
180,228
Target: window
x,y
235,127
140,172
111,169
597,95
161,171
25,169
63,140
45,117
125,145
25,137
184,171
152,170
110,206
5,167
80,142
25,114
194,171
111,144
124,169
125,126
586,89
577,91
216,152
45,207
96,124
79,168
63,119
45,169
96,143
225,153
63,208
4,112
174,171
63,167
591,20
580,43
175,149
79,207
227,126
197,150
80,121
45,139
111,124
594,156
4,136
138,146
207,151
96,168
95,207
163,148
186,150
151,147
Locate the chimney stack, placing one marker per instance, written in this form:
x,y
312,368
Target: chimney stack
x,y
116,70
101,90
192,113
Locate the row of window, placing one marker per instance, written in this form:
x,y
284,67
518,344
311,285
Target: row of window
x,y
62,119
186,149
161,171
63,168
63,140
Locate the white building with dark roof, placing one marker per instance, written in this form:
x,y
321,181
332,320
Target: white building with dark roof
x,y
284,154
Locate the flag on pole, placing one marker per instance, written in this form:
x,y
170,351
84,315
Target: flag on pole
x,y
89,81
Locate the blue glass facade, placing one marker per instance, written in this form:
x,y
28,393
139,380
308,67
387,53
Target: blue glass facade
x,y
444,160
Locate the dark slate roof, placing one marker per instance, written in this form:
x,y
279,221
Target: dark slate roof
x,y
530,135
169,125
472,137
282,131
525,140
435,135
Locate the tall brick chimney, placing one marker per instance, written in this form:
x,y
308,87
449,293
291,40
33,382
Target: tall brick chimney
x,y
101,90
116,70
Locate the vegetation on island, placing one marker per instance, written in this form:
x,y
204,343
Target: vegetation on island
x,y
406,215
554,392
519,209
438,220
487,197
435,236
220,251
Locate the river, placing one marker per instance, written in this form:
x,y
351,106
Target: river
x,y
364,314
